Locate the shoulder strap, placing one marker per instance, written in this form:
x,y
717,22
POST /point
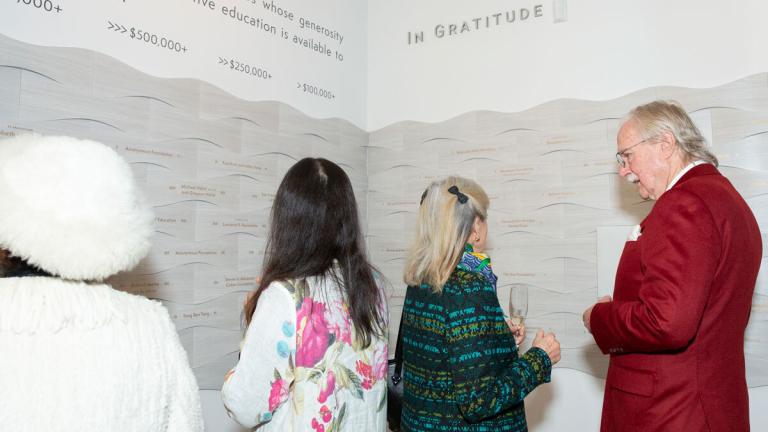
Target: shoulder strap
x,y
396,378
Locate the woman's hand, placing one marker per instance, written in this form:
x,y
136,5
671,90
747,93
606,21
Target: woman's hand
x,y
549,344
587,315
518,331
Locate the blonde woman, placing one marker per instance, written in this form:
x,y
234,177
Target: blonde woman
x,y
462,371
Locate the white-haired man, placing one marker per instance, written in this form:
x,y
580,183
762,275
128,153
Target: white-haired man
x,y
683,291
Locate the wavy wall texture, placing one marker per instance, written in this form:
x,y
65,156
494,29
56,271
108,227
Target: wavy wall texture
x,y
551,175
210,164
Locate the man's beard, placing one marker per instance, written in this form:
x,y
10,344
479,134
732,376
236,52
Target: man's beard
x,y
632,178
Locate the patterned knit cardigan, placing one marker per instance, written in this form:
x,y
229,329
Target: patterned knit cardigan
x,y
461,367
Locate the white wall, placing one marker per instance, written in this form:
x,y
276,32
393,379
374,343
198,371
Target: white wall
x,y
209,35
573,402
604,50
216,419
550,174
208,162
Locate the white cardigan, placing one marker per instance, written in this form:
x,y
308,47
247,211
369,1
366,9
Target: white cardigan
x,y
85,357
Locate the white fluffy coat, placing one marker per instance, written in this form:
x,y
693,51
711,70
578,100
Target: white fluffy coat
x,y
87,358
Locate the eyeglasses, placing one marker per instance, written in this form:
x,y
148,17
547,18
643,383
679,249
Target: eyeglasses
x,y
622,157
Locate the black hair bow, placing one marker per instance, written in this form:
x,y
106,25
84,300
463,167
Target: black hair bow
x,y
461,197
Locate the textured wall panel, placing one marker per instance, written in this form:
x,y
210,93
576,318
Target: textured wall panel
x,y
552,178
208,162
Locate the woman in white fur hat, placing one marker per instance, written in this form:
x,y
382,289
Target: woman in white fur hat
x,y
75,354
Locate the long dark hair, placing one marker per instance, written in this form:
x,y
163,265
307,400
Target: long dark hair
x,y
314,221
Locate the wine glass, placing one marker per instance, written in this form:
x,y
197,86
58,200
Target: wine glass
x,y
518,304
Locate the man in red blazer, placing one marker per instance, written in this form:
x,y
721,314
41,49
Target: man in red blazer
x,y
683,290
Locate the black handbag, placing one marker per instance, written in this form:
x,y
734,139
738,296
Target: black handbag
x,y
395,384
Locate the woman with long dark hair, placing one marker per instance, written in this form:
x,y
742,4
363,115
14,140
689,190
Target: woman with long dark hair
x,y
314,355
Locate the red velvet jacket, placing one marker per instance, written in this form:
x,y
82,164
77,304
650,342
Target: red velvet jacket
x,y
682,298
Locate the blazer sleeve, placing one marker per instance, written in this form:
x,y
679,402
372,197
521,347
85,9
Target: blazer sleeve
x,y
480,346
680,249
258,384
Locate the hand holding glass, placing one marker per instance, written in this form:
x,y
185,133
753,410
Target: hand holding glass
x,y
518,304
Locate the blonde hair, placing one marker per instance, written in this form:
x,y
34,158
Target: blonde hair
x,y
657,117
443,227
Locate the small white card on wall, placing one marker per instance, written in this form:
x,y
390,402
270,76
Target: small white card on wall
x,y
610,244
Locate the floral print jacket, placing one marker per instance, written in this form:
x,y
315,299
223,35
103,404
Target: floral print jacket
x,y
301,368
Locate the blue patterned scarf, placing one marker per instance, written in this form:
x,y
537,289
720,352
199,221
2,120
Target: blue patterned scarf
x,y
477,262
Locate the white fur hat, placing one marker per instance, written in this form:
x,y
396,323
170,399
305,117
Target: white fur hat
x,y
71,207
